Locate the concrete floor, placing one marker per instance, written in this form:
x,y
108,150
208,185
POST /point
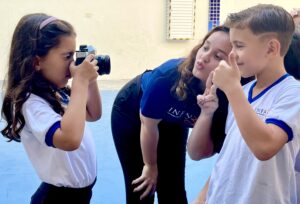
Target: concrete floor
x,y
19,181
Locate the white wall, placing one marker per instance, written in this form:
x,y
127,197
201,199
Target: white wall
x,y
229,6
132,32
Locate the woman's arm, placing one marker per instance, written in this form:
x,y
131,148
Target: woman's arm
x,y
149,140
200,144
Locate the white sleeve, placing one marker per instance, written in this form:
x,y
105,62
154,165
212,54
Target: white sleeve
x,y
39,116
285,111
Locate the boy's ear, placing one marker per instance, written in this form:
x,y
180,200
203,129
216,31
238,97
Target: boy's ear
x,y
273,47
36,63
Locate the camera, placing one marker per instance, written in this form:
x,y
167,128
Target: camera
x,y
103,60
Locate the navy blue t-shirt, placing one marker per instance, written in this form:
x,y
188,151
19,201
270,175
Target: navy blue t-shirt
x,y
158,102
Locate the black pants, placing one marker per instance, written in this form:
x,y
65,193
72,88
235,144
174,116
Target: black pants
x,y
49,194
171,151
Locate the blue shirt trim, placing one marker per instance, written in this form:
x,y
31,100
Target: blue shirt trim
x,y
282,125
50,134
250,99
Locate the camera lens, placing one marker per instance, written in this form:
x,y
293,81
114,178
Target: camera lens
x,y
103,64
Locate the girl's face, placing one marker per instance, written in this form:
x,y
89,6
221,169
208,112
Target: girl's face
x,y
215,48
55,65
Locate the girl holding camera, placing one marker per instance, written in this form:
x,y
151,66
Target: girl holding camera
x,y
48,117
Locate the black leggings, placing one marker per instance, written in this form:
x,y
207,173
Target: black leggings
x,y
171,150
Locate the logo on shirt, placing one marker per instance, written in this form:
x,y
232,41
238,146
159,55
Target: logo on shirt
x,y
261,112
188,118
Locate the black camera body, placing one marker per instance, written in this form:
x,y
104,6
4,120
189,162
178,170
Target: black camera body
x,y
103,60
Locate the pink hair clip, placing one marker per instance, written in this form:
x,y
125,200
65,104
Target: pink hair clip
x,y
47,21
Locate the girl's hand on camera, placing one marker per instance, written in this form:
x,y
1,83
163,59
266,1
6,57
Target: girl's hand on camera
x,y
87,70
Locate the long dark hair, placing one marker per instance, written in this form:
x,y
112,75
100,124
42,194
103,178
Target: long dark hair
x,y
184,87
292,57
29,41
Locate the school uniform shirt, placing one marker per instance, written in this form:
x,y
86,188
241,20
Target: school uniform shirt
x,y
298,186
297,164
297,168
158,102
75,169
238,176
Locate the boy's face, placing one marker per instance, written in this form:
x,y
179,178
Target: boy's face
x,y
250,51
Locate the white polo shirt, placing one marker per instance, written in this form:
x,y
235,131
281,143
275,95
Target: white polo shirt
x,y
297,168
76,168
238,176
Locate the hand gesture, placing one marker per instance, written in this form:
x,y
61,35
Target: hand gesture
x,y
208,101
87,69
147,181
226,76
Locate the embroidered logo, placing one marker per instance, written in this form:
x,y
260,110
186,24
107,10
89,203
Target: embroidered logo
x,y
188,118
261,112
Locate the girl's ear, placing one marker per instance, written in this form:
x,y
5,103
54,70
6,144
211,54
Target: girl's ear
x,y
36,63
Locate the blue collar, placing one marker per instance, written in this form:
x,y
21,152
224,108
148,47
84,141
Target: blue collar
x,y
250,99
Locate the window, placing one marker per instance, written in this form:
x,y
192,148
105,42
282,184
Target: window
x,y
181,19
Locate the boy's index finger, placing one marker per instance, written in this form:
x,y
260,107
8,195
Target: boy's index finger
x,y
232,61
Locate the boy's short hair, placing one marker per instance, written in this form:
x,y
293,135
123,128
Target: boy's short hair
x,y
265,18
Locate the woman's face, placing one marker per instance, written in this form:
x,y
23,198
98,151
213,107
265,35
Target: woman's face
x,y
215,48
55,65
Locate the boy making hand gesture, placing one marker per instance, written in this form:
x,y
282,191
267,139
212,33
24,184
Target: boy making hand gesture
x,y
256,163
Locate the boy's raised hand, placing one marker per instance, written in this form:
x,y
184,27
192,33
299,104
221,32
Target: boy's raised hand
x,y
226,76
208,101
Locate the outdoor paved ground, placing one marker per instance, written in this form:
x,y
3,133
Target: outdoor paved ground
x,y
18,180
